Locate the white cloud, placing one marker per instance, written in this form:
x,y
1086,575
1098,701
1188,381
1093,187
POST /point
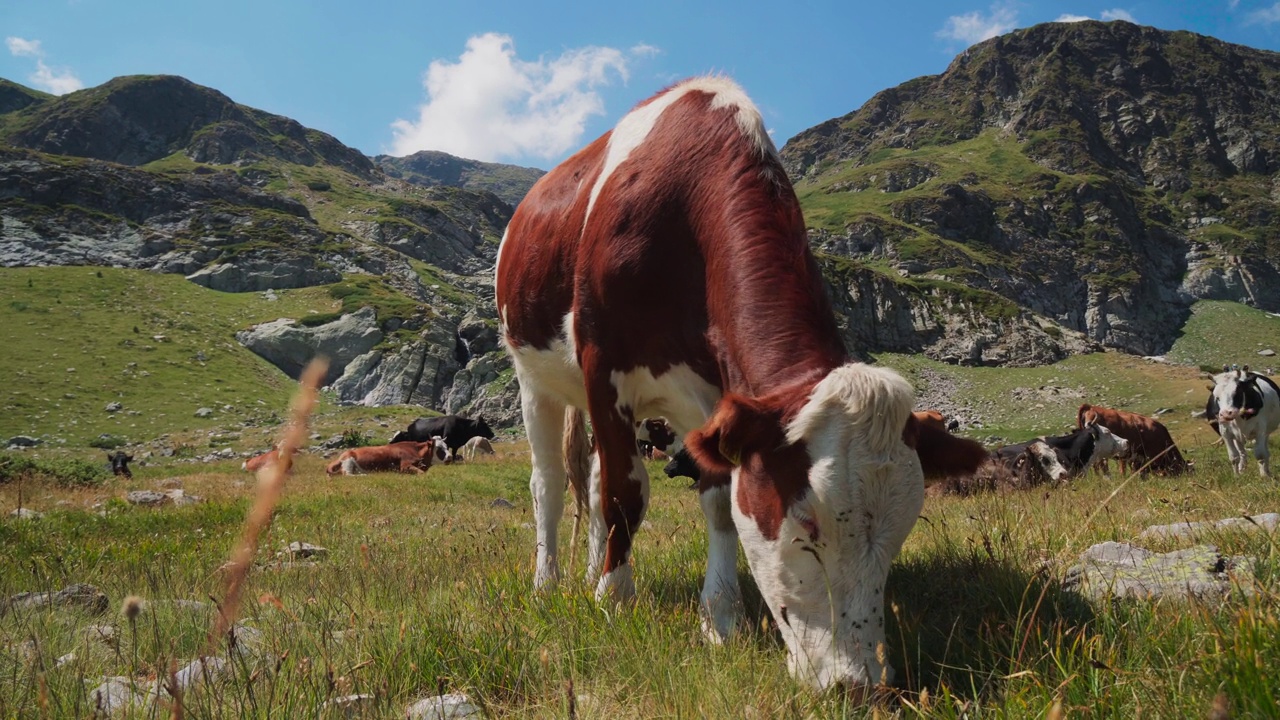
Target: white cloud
x,y
491,105
1105,15
20,47
1233,4
1265,16
976,27
59,81
1118,14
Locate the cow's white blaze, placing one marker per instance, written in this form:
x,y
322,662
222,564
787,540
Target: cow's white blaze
x,y
634,128
823,577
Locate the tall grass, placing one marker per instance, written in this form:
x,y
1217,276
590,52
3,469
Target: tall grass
x,y
427,588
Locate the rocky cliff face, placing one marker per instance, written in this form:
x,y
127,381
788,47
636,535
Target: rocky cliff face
x,y
1101,176
430,168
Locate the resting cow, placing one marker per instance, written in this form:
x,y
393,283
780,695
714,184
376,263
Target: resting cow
x,y
1150,445
120,463
405,457
455,430
270,457
664,271
476,446
1245,406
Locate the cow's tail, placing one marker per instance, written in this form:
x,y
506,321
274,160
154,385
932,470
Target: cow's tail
x,y
577,467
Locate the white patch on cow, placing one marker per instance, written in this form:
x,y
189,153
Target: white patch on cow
x,y
721,601
1106,445
1237,429
617,585
680,395
823,577
635,127
350,466
1047,458
597,532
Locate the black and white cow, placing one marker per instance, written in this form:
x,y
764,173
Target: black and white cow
x,y
1245,406
1059,458
455,430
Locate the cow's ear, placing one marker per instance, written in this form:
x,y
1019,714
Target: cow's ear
x,y
739,426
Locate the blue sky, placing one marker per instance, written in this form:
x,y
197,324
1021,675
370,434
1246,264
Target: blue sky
x,y
529,82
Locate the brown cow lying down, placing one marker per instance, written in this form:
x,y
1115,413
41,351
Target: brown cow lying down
x,y
410,457
257,462
1147,437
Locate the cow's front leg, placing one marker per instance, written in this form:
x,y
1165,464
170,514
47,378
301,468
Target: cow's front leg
x,y
622,496
1262,454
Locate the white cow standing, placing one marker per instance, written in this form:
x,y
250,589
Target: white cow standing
x,y
1248,407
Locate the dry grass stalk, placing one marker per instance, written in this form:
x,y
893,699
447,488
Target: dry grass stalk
x,y
270,487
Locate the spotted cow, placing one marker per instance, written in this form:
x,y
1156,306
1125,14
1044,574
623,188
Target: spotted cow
x,y
1245,407
664,271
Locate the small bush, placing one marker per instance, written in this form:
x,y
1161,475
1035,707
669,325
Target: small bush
x,y
356,438
108,442
319,319
319,186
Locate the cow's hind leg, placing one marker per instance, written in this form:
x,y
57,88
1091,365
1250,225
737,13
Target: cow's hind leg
x,y
544,422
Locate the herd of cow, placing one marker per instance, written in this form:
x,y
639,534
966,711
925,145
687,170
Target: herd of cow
x,y
412,450
1252,412
664,271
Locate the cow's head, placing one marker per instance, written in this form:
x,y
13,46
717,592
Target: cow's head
x,y
1106,444
1043,460
400,436
824,493
1236,394
483,429
682,465
657,432
120,463
433,448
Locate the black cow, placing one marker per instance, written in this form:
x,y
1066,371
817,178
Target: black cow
x,y
455,430
682,465
120,463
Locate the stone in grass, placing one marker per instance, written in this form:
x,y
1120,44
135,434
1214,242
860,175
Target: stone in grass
x,y
146,497
302,551
503,503
80,595
26,514
348,705
1266,522
204,412
1121,570
443,707
119,695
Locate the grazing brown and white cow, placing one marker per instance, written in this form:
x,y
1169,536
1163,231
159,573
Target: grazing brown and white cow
x,y
1150,444
663,271
405,457
945,456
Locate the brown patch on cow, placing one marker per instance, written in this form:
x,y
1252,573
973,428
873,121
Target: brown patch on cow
x,y
941,454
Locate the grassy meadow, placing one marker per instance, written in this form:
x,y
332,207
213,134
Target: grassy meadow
x,y
426,588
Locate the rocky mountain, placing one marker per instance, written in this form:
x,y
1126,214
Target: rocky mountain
x,y
431,168
161,174
1056,190
1085,182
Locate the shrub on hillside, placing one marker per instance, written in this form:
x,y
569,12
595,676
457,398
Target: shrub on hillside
x,y
357,438
70,472
108,442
